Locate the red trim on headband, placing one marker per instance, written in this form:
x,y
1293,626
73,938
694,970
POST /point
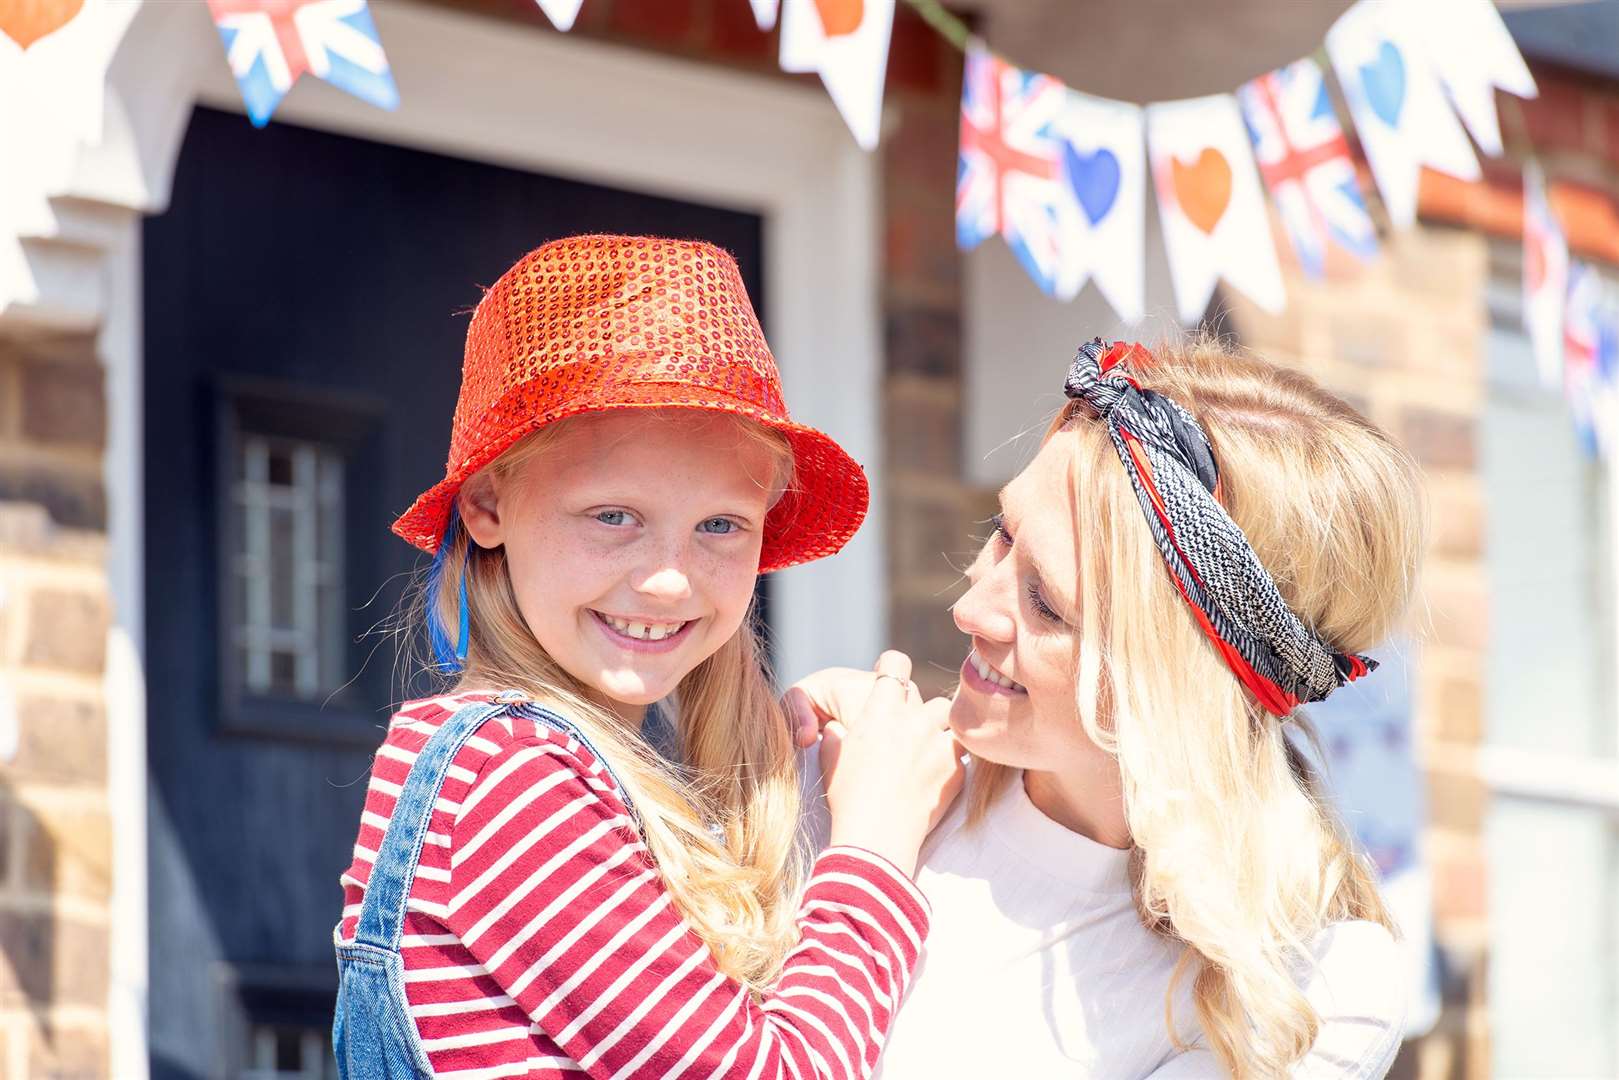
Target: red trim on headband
x,y
1121,352
1274,699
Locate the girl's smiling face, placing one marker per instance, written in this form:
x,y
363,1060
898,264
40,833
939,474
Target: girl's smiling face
x,y
632,540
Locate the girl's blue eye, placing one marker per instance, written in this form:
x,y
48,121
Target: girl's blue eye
x,y
718,526
613,517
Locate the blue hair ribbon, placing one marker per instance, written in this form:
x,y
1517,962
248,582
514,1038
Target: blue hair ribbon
x,y
450,659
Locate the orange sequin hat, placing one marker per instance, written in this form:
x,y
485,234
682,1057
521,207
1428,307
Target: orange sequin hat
x,y
593,323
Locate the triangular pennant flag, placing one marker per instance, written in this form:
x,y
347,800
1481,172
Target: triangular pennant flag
x,y
562,13
270,43
1473,53
1545,277
846,43
1212,208
54,59
1304,160
764,12
1009,173
1590,341
1400,111
24,24
1102,201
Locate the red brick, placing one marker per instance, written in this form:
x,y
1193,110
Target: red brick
x,y
919,250
1556,118
67,854
67,629
1458,525
916,55
1457,801
930,538
60,741
1459,707
1460,616
1460,887
73,496
1610,129
922,434
924,630
733,33
64,403
666,22
1440,439
46,959
56,1053
920,153
923,340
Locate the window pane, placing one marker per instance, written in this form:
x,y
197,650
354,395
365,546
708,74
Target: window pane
x,y
286,567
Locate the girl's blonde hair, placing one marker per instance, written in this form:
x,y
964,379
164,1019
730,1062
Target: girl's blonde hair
x,y
1236,854
722,826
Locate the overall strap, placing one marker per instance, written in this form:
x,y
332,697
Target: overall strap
x,y
382,912
561,724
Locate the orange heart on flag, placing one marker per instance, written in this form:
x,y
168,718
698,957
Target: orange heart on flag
x,y
1203,189
26,21
841,17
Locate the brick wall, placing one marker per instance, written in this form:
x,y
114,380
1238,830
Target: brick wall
x,y
1403,340
55,830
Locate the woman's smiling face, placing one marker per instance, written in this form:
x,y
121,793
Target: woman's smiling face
x,y
1016,705
632,541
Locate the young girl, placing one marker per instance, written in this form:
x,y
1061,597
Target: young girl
x,y
535,891
1144,881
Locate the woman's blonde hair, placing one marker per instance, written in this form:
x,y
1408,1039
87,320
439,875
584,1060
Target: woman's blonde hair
x,y
722,825
1236,854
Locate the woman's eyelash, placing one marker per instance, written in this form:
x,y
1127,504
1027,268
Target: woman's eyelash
x,y
1041,608
1036,601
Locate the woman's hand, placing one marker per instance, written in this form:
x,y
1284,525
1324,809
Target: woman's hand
x,y
890,764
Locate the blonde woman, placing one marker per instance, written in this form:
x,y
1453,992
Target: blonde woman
x,y
1141,880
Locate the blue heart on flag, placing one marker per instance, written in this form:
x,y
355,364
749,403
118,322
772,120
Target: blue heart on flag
x,y
1384,81
1094,178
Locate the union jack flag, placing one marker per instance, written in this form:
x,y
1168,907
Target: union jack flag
x,y
1009,174
270,43
1591,359
1304,158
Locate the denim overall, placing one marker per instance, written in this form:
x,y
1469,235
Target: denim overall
x,y
373,1034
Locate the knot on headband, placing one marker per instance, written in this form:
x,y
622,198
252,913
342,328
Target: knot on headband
x,y
1170,463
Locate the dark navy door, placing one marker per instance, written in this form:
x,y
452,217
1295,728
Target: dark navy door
x,y
306,299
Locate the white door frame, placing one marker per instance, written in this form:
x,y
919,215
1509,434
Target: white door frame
x,y
485,90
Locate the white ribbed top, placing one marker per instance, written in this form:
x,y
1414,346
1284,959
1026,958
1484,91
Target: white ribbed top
x,y
1037,965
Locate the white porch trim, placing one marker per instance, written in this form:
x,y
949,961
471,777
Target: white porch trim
x,y
487,91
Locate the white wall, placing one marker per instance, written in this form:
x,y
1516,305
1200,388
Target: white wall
x,y
1018,342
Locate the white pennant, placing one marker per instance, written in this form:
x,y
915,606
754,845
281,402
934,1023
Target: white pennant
x,y
764,12
849,50
1545,277
1102,208
1400,111
1473,54
1212,208
562,13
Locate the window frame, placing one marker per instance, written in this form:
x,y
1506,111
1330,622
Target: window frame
x,y
351,425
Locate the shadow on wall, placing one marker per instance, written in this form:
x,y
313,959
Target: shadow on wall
x,y
28,933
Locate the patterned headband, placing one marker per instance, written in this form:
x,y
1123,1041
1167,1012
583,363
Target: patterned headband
x,y
1170,463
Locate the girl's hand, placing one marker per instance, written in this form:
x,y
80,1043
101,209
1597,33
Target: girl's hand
x,y
829,694
892,766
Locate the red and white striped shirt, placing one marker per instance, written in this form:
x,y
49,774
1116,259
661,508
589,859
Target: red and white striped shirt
x,y
539,939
